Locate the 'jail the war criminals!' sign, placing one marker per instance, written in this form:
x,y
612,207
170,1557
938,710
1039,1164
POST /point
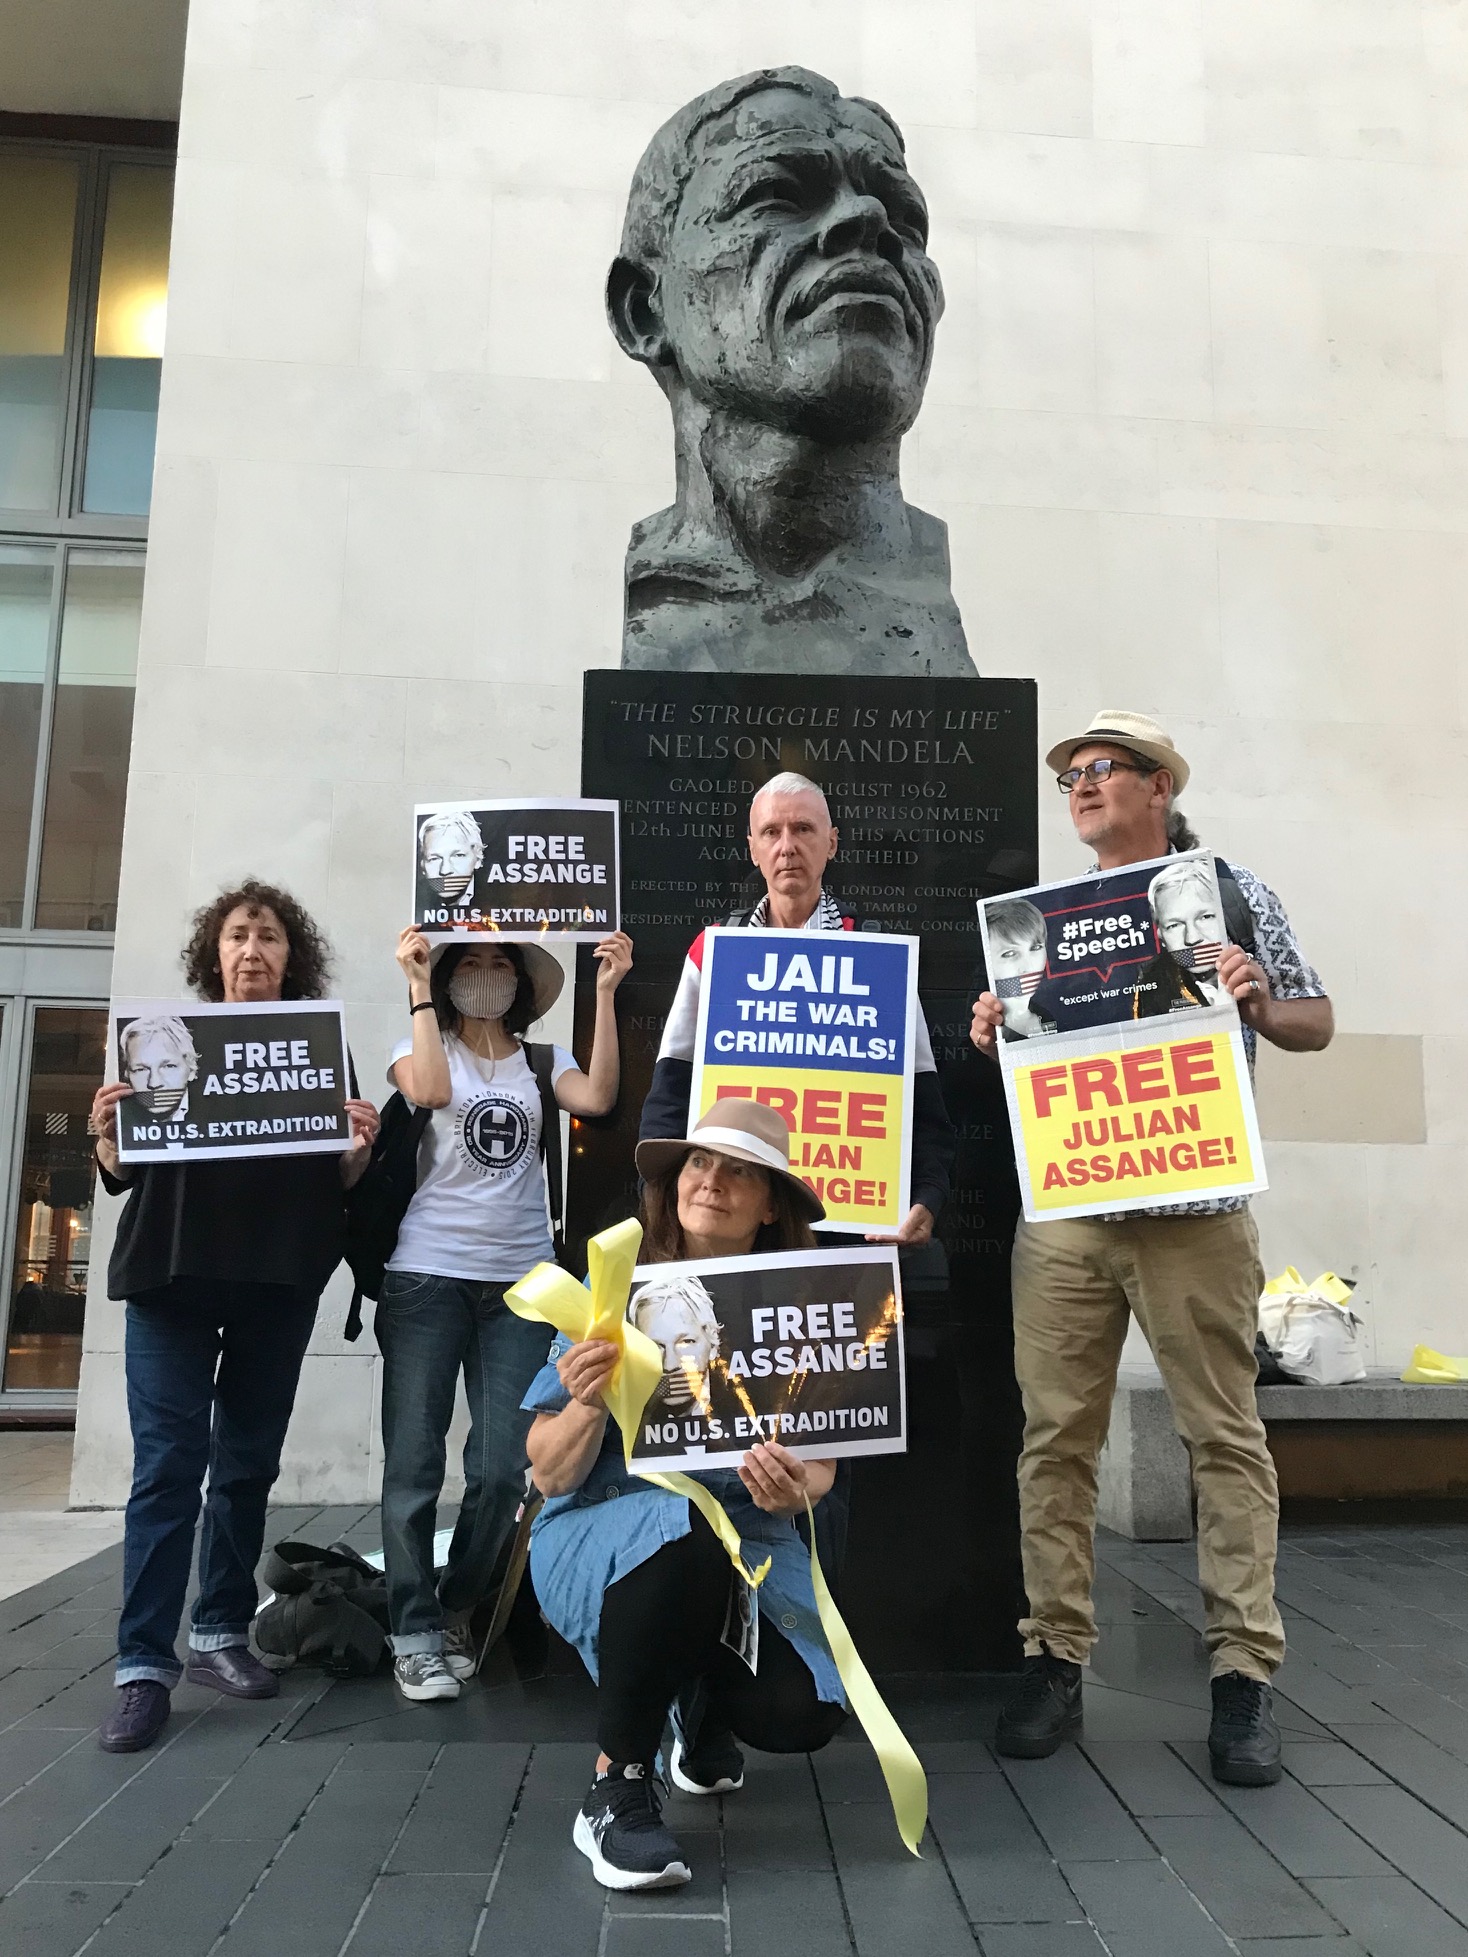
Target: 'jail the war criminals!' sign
x,y
821,1027
537,868
799,1347
213,1083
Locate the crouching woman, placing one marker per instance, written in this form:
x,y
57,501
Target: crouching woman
x,y
641,1585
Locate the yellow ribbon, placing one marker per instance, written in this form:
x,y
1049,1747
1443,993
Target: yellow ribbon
x,y
1327,1285
553,1297
1429,1368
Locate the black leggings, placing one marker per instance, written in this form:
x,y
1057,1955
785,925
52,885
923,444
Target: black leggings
x,y
660,1630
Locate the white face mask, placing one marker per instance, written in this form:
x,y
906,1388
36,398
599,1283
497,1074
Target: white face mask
x,y
481,994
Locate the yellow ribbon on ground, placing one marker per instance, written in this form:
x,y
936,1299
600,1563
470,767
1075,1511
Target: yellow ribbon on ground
x,y
1327,1285
551,1296
1429,1368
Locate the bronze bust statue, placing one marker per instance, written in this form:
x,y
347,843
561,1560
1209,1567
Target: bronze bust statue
x,y
774,277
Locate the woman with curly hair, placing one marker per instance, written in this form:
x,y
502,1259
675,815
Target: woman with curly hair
x,y
222,1265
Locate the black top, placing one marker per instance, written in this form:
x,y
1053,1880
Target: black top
x,y
267,1219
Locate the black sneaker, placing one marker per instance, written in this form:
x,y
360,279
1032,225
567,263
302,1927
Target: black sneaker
x,y
1043,1709
620,1831
713,1766
1243,1740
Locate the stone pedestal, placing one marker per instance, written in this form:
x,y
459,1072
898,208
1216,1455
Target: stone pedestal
x,y
932,787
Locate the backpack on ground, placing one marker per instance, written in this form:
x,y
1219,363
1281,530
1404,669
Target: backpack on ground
x,y
379,1201
329,1608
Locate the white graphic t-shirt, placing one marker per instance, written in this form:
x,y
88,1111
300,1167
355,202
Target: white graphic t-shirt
x,y
480,1210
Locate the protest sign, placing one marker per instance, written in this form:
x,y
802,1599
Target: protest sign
x,y
537,868
820,1027
213,1083
1122,1053
802,1347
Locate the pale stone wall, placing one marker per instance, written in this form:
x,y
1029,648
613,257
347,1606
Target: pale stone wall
x,y
1196,425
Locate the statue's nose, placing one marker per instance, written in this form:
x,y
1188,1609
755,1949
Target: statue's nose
x,y
856,220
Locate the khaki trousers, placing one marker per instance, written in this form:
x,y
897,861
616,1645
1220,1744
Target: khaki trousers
x,y
1193,1283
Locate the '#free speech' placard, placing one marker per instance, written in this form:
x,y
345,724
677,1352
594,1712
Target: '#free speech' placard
x,y
537,868
211,1083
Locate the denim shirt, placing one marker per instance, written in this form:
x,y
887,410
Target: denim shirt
x,y
583,1542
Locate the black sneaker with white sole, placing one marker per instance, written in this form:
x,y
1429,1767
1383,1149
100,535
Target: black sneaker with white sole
x,y
714,1765
621,1833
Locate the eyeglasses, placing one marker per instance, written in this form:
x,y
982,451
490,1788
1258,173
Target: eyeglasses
x,y
1097,771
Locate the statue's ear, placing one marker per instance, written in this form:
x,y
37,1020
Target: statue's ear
x,y
633,310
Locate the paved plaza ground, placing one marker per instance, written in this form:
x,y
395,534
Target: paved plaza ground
x,y
336,1819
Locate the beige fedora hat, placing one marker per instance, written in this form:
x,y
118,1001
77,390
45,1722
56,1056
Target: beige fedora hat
x,y
544,972
1133,730
747,1130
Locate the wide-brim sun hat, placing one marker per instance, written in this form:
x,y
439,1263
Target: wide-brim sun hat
x,y
745,1129
1133,730
544,971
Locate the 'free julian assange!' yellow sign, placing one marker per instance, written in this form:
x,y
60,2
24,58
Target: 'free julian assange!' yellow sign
x,y
1125,1127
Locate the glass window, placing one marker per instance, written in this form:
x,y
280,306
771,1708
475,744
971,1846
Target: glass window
x,y
54,1232
132,303
25,619
38,201
91,729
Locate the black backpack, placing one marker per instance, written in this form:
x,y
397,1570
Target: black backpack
x,y
379,1201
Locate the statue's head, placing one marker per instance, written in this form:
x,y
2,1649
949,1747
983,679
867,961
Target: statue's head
x,y
774,260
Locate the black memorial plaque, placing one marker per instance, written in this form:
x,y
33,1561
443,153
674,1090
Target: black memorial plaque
x,y
932,786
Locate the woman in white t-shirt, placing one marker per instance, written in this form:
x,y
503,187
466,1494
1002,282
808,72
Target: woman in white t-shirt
x,y
477,1223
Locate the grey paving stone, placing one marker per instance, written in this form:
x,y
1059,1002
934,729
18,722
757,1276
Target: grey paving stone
x,y
1391,1917
67,1701
1428,1713
545,1900
1149,1778
1336,1946
1328,1763
384,1757
124,1840
1143,1910
266,1798
1293,1825
420,1916
1040,1940
775,1823
307,1903
1115,1715
183,1907
1076,1812
459,1820
54,1919
895,1903
663,1936
1414,1839
22,1693
24,1754
1000,1867
779,1909
1326,1698
1241,1886
40,1816
1424,1769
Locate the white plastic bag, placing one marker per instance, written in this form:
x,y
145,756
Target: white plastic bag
x,y
1311,1329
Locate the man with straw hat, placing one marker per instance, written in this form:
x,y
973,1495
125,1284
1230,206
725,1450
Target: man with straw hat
x,y
1190,1276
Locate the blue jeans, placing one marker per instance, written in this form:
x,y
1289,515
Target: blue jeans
x,y
211,1372
429,1328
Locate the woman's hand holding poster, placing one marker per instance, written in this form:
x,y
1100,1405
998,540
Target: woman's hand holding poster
x,y
1122,1052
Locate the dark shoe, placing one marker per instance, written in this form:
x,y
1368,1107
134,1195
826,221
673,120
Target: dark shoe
x,y
235,1670
139,1716
620,1831
713,1766
1243,1740
1043,1710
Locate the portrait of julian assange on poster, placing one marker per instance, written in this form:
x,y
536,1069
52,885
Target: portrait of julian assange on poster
x,y
802,1347
528,869
215,1082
